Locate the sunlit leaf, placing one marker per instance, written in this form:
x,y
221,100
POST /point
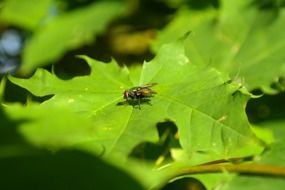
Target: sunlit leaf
x,y
208,111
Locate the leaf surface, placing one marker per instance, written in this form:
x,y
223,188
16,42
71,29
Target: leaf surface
x,y
208,111
274,156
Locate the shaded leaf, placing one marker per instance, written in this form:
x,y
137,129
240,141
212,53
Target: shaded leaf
x,y
63,170
25,130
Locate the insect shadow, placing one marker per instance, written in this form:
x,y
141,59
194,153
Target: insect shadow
x,y
135,102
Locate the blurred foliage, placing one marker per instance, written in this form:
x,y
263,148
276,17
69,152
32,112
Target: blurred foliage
x,y
244,46
27,13
65,125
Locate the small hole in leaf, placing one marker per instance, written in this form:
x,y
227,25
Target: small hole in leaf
x,y
257,92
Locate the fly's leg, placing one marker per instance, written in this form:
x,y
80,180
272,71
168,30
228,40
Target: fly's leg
x,y
139,100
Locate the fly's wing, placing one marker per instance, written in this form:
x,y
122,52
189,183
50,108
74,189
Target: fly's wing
x,y
145,91
149,85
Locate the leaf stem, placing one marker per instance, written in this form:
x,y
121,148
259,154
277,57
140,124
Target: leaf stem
x,y
252,168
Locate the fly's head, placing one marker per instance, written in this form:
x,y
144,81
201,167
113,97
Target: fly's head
x,y
126,94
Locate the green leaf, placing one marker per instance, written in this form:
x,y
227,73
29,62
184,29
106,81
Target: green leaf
x,y
61,170
2,87
25,130
98,101
265,134
254,182
208,111
51,126
26,13
239,39
274,156
68,31
277,127
184,21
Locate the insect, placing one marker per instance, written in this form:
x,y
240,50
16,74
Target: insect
x,y
139,92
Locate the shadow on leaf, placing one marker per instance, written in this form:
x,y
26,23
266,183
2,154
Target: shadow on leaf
x,y
135,103
160,151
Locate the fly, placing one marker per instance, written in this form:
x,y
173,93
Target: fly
x,y
139,93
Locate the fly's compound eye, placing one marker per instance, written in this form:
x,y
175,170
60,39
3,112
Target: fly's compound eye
x,y
126,94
